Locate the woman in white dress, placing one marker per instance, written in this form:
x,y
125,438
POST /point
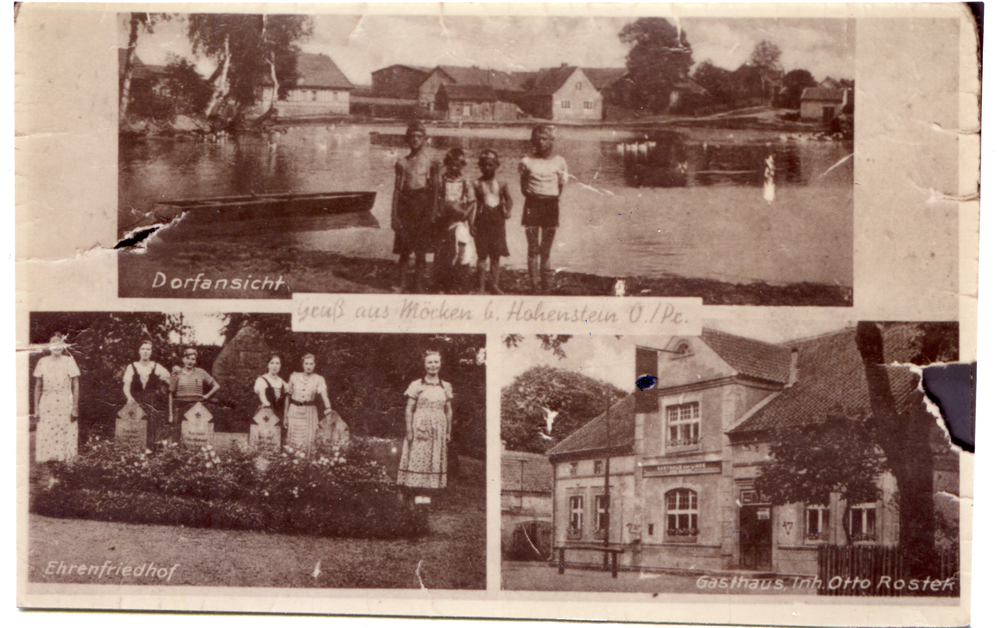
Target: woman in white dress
x,y
424,462
301,415
57,402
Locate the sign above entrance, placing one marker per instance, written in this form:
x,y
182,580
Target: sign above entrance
x,y
688,468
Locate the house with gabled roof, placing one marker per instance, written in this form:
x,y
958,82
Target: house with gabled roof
x,y
563,94
319,89
399,81
822,103
470,77
683,456
525,505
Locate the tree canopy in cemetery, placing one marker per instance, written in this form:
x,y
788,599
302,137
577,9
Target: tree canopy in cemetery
x,y
659,59
248,50
566,398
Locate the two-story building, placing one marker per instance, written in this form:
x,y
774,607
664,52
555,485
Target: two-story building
x,y
684,455
563,94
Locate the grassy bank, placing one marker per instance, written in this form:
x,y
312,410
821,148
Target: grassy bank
x,y
326,272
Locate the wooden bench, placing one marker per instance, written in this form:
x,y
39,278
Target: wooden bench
x,y
613,550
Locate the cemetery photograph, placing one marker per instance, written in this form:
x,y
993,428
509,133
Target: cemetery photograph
x,y
227,450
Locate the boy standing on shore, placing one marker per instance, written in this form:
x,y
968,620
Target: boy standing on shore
x,y
493,205
413,206
543,176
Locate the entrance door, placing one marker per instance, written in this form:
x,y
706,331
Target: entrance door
x,y
828,115
755,537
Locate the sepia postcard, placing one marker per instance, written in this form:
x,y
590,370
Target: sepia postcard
x,y
625,312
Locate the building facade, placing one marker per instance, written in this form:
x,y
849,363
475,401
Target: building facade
x,y
399,81
684,456
525,505
320,89
822,104
563,94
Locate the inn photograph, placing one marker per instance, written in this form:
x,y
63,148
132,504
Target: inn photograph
x,y
649,156
788,461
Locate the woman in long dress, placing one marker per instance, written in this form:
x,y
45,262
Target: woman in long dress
x,y
57,402
424,462
145,383
188,387
301,415
270,389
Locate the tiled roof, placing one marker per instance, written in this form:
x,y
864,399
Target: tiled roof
x,y
822,93
319,70
597,434
830,379
470,92
549,81
602,77
752,358
480,76
414,68
525,472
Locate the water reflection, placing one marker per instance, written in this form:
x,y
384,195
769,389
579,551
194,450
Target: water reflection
x,y
689,202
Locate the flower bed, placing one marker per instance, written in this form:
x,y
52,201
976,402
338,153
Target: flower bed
x,y
334,493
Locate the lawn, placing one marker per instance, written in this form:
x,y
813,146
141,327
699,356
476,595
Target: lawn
x,y
451,556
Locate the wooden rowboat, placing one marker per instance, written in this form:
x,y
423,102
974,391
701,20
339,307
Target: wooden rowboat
x,y
270,206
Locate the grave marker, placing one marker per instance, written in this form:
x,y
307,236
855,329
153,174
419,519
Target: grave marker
x,y
265,434
196,431
130,428
332,433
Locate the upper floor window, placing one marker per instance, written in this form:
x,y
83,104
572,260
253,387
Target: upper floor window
x,y
682,512
566,104
579,86
575,515
862,522
817,523
573,468
598,466
683,424
601,512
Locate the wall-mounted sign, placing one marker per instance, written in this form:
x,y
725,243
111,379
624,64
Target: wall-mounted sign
x,y
687,468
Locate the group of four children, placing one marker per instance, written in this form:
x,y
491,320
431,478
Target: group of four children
x,y
443,213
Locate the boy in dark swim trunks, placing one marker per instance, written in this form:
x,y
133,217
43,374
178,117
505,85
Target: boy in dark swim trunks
x,y
543,176
413,206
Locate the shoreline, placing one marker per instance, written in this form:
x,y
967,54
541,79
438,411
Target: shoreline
x,y
333,273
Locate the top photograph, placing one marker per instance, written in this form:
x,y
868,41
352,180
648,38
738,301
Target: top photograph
x,y
265,155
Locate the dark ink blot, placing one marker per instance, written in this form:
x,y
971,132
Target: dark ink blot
x,y
136,238
646,382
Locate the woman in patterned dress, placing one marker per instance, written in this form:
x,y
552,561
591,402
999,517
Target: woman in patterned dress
x,y
57,402
301,415
144,382
423,464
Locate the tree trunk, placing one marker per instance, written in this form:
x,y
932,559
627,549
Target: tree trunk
x,y
126,86
274,80
905,441
221,87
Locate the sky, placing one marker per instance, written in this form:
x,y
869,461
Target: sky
x,y
612,358
361,44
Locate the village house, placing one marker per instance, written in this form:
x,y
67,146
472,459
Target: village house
x,y
473,103
429,89
320,89
525,505
399,81
822,103
683,456
562,94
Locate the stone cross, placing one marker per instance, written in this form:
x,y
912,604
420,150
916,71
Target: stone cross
x,y
130,427
196,431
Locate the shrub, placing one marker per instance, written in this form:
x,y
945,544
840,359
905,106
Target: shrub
x,y
343,492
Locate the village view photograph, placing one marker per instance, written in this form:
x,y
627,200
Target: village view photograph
x,y
225,450
755,459
261,155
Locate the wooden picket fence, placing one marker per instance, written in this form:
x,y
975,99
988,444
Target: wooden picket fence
x,y
878,570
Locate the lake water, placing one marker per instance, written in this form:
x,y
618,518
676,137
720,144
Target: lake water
x,y
688,202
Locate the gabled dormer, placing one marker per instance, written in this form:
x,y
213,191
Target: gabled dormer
x,y
704,384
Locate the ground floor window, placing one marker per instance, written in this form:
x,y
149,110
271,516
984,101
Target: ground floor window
x,y
601,512
588,104
567,104
817,523
682,513
575,516
862,522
